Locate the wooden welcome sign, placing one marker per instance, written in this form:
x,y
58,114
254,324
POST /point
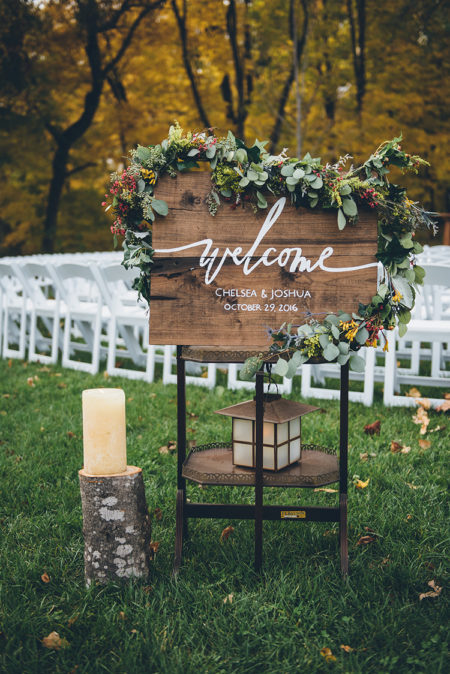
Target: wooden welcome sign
x,y
224,280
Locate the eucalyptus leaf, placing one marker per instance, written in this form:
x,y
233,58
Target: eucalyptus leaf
x,y
335,332
362,335
298,174
341,220
287,170
324,341
291,181
244,181
402,286
357,364
343,358
262,203
344,347
141,185
382,290
318,183
250,368
332,318
402,329
241,155
331,352
280,367
193,152
160,206
252,175
345,189
349,207
143,153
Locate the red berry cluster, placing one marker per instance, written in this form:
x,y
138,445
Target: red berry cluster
x,y
370,196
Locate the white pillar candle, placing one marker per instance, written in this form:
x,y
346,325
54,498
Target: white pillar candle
x,y
104,435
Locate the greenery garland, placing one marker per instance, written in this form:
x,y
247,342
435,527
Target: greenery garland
x,y
243,176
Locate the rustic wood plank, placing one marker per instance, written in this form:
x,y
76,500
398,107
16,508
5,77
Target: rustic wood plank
x,y
236,299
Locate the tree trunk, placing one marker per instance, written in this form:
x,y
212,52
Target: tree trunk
x,y
59,170
116,526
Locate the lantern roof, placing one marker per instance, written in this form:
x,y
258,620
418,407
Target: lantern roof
x,y
277,410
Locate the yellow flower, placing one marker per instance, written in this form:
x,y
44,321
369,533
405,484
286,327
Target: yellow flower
x,y
397,297
386,346
359,484
372,342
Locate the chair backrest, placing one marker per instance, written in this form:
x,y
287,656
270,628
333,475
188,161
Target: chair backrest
x,y
433,300
11,285
115,284
38,282
76,283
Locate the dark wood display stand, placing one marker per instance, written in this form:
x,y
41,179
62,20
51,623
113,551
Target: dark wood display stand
x,y
212,465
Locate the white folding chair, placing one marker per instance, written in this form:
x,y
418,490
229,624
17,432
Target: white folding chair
x,y
129,319
169,377
332,370
15,305
234,383
45,305
78,288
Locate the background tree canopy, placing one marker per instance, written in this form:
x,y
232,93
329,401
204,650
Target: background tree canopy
x,y
83,81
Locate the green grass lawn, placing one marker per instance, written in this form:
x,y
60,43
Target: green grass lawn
x,y
277,622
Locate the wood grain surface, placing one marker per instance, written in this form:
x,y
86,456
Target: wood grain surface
x,y
235,308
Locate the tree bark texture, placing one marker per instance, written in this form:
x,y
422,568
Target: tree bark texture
x,y
116,526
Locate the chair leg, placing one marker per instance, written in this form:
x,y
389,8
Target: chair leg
x,y
390,366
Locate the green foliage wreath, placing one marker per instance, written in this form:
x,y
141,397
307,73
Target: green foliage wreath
x,y
242,177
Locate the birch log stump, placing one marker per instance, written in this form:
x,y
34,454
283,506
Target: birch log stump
x,y
116,526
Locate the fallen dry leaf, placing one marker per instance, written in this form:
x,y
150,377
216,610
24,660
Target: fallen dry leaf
x,y
408,517
226,533
413,486
359,484
172,445
129,400
228,599
105,375
6,395
347,649
122,615
71,434
434,592
447,396
424,444
45,577
437,429
30,381
158,514
421,417
413,392
364,456
327,654
373,429
396,448
444,407
163,450
54,641
133,631
62,384
73,620
154,547
425,403
326,490
10,362
365,540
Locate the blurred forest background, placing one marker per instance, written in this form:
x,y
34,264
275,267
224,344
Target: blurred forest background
x,y
83,81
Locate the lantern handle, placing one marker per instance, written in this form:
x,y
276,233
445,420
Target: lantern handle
x,y
271,381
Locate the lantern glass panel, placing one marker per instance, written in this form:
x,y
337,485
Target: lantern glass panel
x,y
282,433
268,458
242,430
243,454
295,427
282,456
295,449
268,433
